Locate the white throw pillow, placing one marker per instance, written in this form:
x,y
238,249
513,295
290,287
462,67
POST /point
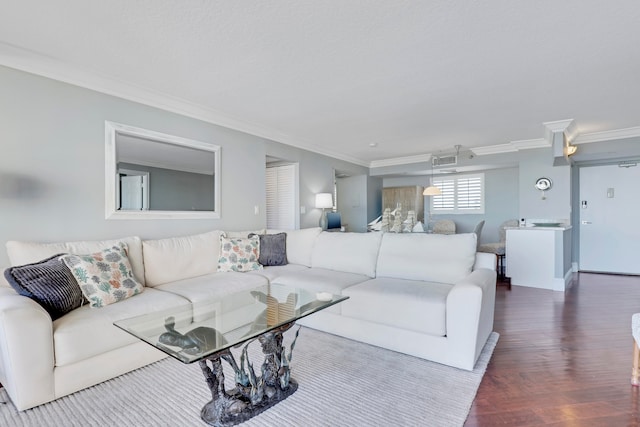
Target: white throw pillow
x,y
184,257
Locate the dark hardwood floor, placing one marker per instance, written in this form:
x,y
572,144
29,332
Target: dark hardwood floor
x,y
563,359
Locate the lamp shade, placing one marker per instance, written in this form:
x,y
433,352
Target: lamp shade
x,y
324,200
431,191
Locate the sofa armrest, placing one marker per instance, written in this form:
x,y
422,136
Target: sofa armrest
x,y
470,309
485,260
26,350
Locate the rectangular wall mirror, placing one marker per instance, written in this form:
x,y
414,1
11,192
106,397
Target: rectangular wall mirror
x,y
152,175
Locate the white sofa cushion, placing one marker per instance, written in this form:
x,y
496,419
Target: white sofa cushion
x,y
349,252
406,304
272,272
21,253
176,258
299,244
86,332
205,291
316,280
429,257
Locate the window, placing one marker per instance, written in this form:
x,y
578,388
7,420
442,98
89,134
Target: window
x,y
462,194
282,197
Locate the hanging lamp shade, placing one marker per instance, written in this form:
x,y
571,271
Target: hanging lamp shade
x,y
431,191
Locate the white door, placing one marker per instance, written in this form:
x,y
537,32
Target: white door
x,y
282,197
131,193
609,226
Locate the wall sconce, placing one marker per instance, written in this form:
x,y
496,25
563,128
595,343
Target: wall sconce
x,y
324,201
571,150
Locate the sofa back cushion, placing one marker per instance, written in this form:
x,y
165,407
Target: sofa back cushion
x,y
176,258
21,253
299,244
349,252
430,257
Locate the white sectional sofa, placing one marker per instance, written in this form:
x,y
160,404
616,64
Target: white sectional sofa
x,y
431,296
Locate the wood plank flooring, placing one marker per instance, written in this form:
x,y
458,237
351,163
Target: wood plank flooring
x,y
563,359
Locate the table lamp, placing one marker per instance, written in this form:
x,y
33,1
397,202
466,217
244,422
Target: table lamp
x,y
324,201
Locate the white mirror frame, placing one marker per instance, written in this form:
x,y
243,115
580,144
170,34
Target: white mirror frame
x,y
111,176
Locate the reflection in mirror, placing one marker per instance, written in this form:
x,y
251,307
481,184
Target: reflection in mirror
x,y
152,175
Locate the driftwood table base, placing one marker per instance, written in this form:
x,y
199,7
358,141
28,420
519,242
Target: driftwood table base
x,y
253,394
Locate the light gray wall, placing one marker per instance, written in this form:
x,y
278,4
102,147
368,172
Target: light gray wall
x,y
501,202
316,176
535,164
52,165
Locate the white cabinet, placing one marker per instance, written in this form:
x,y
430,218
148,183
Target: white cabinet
x,y
539,257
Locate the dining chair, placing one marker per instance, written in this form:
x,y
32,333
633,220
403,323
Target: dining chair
x,y
477,230
499,248
444,226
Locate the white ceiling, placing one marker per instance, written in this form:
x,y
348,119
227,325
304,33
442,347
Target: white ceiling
x,y
335,76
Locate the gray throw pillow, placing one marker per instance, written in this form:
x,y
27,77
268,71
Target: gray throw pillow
x,y
48,282
273,249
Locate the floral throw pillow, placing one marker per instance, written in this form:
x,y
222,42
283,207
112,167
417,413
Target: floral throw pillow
x,y
239,254
104,277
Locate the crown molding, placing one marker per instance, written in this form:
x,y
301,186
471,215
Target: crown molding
x,y
397,161
494,149
609,135
45,66
511,147
567,127
530,144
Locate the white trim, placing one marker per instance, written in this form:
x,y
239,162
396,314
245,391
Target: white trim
x,y
511,147
529,144
494,149
397,161
609,135
111,130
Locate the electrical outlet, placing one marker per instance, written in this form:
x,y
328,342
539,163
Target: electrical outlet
x,y
303,210
256,210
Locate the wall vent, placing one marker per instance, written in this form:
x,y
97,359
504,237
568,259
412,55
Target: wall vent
x,y
444,161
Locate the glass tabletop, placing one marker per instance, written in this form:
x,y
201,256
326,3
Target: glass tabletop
x,y
191,332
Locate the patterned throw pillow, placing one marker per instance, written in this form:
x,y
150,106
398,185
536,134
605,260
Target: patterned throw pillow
x,y
104,277
239,254
49,283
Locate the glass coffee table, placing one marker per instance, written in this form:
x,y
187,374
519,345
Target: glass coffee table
x,y
205,332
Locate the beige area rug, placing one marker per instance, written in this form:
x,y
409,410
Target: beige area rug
x,y
342,383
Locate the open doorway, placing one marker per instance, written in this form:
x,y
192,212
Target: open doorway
x,y
133,190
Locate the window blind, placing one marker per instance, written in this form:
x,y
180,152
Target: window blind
x,y
461,194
